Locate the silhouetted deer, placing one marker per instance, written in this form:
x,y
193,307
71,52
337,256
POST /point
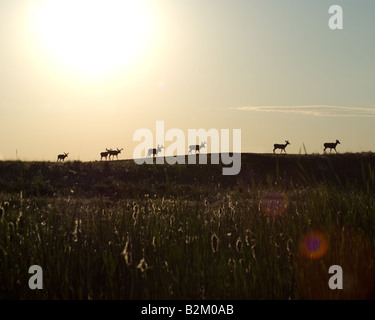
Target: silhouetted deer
x,y
62,156
103,155
280,146
154,152
197,147
331,145
114,153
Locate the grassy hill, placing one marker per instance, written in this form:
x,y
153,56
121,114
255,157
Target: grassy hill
x,y
117,230
126,179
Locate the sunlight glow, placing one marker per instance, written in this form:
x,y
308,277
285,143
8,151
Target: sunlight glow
x,y
93,36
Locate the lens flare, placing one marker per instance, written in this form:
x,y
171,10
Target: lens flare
x,y
273,203
342,246
314,245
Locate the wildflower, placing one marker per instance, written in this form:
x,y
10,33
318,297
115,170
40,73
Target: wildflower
x,y
1,211
215,243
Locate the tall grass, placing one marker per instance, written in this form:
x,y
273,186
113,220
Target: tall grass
x,y
238,242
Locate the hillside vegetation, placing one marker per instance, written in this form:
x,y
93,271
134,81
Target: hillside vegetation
x,y
125,179
117,230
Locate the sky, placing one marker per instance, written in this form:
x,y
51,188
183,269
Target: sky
x,y
80,76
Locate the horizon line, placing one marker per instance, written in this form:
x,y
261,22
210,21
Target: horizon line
x,y
207,154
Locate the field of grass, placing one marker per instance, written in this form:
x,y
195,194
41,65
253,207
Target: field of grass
x,y
117,230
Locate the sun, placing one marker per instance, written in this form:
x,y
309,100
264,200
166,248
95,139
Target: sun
x,y
93,36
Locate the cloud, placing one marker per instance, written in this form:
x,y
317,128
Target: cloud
x,y
318,110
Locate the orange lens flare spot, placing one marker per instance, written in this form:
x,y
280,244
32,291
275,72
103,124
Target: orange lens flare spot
x,y
273,203
314,245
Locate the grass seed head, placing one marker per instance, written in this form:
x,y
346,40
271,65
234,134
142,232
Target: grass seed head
x,y
247,239
153,242
135,212
232,263
77,229
239,245
127,253
142,265
215,243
